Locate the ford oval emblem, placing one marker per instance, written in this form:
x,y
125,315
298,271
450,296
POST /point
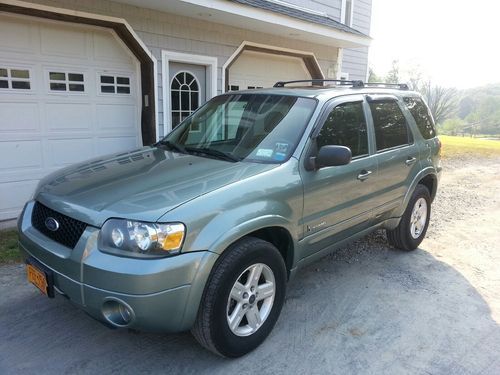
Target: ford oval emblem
x,y
51,224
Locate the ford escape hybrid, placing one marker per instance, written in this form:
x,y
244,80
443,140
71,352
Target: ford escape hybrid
x,y
202,230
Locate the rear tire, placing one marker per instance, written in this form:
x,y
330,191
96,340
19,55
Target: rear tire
x,y
238,311
413,225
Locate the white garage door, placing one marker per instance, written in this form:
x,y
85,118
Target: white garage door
x,y
67,93
256,69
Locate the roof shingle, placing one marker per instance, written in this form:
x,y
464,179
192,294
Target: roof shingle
x,y
294,12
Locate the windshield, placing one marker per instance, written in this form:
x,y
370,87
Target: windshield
x,y
251,127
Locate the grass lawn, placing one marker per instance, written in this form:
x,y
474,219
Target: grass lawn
x,y
9,250
463,146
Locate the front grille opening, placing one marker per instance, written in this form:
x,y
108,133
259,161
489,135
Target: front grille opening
x,y
69,231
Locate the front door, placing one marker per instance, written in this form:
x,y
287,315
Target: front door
x,y
188,84
338,201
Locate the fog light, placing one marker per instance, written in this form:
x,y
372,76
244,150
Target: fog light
x,y
117,312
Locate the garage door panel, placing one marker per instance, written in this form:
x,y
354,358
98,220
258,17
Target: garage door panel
x,y
13,195
20,154
68,151
16,35
68,116
116,116
116,144
106,47
19,117
63,41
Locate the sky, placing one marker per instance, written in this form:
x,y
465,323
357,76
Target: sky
x,y
456,43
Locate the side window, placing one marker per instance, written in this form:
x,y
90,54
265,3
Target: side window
x,y
391,129
346,126
422,117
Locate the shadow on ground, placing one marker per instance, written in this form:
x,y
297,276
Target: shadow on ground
x,y
365,309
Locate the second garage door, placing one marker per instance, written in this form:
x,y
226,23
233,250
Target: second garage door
x,y
67,93
256,69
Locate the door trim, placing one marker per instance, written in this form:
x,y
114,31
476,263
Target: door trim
x,y
167,57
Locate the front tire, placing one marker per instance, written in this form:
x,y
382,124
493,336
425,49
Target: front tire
x,y
242,299
413,225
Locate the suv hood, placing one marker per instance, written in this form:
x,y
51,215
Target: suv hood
x,y
139,185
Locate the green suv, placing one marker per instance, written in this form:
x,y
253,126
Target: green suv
x,y
202,230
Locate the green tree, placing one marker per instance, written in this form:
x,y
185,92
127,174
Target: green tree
x,y
393,75
372,76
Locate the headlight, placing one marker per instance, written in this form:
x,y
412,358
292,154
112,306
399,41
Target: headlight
x,y
141,240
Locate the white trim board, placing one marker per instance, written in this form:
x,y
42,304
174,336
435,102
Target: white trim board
x,y
209,62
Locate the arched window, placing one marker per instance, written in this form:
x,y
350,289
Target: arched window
x,y
185,96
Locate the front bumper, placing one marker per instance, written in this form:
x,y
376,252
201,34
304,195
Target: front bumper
x,y
163,294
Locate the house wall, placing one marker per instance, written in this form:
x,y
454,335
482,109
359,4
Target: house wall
x,y
165,31
355,60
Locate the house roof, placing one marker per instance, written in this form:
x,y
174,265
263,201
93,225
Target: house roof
x,y
303,14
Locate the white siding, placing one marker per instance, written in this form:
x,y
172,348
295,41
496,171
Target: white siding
x,y
355,60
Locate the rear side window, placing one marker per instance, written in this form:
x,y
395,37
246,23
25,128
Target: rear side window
x,y
346,126
422,117
391,129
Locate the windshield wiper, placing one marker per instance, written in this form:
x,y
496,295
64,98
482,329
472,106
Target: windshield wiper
x,y
173,146
213,152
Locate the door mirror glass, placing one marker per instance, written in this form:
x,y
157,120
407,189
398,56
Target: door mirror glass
x,y
330,156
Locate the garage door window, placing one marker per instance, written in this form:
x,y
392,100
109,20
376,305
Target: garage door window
x,y
111,84
14,79
185,96
67,82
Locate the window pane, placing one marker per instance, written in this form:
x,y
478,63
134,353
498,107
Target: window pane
x,y
123,90
176,119
185,100
234,87
108,89
4,84
57,76
16,73
75,87
107,79
391,129
122,80
175,84
346,126
422,117
20,85
175,100
75,77
194,100
58,86
3,72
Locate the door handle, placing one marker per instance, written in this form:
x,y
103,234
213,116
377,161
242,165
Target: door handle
x,y
410,160
364,174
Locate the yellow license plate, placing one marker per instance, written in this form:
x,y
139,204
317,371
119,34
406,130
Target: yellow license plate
x,y
37,278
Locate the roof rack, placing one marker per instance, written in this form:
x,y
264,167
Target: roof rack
x,y
320,82
341,82
383,85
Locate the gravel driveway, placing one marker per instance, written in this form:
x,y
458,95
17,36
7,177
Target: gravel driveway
x,y
366,309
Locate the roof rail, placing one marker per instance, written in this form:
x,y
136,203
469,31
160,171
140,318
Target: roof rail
x,y
320,82
401,86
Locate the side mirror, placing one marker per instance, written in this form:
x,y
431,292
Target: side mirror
x,y
330,156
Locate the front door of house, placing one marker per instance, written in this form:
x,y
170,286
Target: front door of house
x,y
188,84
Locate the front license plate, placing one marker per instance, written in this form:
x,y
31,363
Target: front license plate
x,y
37,278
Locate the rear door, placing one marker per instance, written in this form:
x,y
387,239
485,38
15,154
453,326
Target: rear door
x,y
396,152
338,201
